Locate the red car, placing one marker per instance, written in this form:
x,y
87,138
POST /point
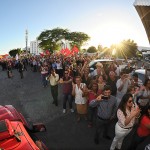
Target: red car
x,y
15,133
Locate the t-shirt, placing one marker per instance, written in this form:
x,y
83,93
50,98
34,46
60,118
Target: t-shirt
x,y
92,95
142,129
67,87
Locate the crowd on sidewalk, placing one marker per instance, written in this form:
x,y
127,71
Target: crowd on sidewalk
x,y
106,93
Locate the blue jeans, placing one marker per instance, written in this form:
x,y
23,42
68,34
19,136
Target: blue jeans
x,y
44,81
67,97
91,113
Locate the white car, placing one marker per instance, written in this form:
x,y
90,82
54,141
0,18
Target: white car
x,y
103,61
142,74
106,63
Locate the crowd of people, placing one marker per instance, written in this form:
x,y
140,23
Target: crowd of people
x,y
107,93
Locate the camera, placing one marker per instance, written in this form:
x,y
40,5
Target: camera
x,y
104,97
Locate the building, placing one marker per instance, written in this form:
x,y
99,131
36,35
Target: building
x,y
145,50
143,9
34,47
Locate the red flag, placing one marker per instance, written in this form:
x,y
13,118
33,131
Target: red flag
x,y
67,52
47,52
41,54
62,51
74,50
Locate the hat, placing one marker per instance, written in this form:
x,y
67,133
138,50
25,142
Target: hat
x,y
98,64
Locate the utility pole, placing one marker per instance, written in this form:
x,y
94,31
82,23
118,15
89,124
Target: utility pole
x,y
26,38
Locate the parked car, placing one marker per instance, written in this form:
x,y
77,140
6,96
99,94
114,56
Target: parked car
x,y
142,74
105,62
15,132
147,58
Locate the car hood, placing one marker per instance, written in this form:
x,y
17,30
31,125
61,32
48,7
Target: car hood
x,y
23,142
141,71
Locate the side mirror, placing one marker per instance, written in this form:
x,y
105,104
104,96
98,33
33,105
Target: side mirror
x,y
39,127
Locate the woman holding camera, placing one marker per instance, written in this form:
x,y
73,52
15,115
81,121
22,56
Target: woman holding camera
x,y
126,114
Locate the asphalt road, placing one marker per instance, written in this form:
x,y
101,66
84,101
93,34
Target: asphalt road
x,y
35,103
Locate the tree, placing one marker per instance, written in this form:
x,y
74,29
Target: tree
x,y
100,48
49,39
127,48
13,52
92,49
77,38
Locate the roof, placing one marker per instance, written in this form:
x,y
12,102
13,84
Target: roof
x,y
143,9
142,3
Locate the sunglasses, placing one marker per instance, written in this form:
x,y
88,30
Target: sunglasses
x,y
130,101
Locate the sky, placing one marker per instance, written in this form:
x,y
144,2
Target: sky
x,y
105,21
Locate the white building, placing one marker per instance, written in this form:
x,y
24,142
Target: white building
x,y
145,50
34,47
142,48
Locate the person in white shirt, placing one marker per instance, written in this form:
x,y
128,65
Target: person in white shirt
x,y
59,68
53,79
136,81
122,86
144,98
99,71
80,100
118,70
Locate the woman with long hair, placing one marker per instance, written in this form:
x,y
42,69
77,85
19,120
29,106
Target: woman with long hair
x,y
92,94
126,114
101,83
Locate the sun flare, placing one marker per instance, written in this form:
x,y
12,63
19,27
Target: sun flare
x,y
110,33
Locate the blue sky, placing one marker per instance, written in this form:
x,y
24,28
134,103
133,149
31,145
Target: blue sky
x,y
105,21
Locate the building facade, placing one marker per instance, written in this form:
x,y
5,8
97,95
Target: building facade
x,y
34,47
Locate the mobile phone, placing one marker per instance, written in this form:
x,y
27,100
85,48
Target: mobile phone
x,y
104,97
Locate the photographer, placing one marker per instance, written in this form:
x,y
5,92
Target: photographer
x,y
127,113
53,79
106,109
122,86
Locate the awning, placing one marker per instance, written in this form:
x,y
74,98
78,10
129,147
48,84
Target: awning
x,y
143,9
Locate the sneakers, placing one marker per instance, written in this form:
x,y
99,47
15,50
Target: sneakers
x,y
72,110
64,111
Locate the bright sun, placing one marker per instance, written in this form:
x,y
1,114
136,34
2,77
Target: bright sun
x,y
110,33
